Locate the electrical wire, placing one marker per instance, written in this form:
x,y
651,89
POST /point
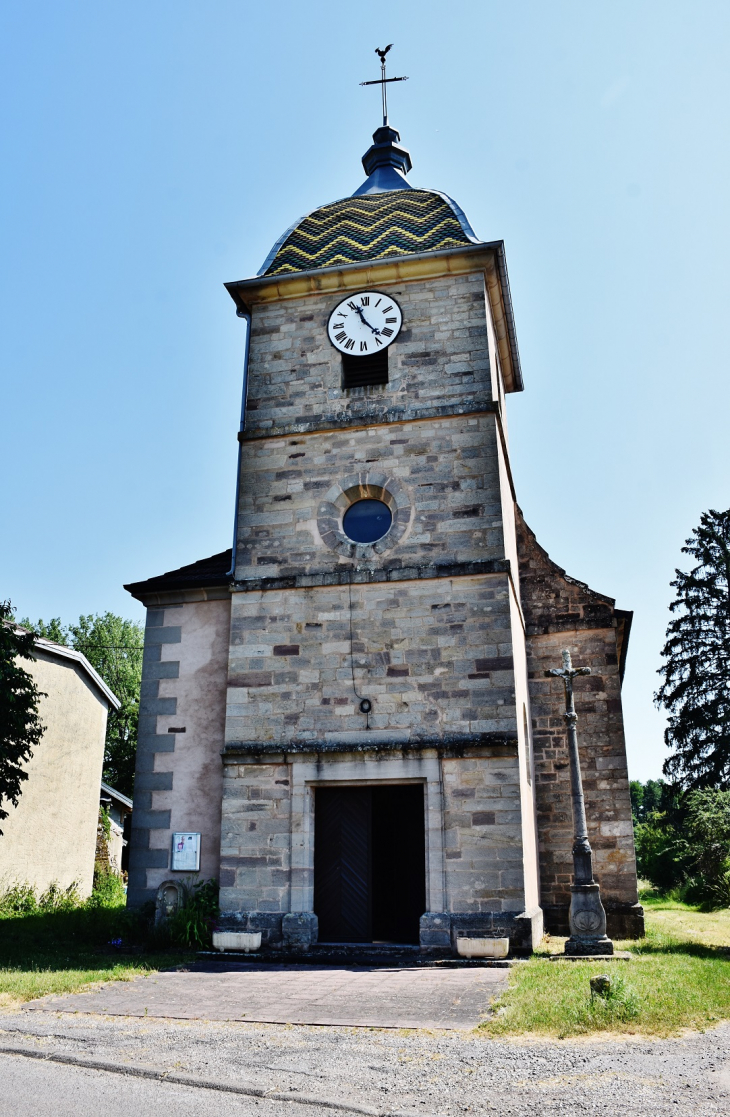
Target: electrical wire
x,y
365,703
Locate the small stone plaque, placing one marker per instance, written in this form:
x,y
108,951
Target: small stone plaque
x,y
186,852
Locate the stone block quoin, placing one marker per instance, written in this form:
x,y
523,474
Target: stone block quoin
x,y
150,744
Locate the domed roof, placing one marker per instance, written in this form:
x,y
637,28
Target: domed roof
x,y
385,217
370,227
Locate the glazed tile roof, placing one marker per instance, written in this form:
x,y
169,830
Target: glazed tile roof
x,y
370,227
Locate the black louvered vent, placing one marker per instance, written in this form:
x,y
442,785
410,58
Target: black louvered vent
x,y
360,372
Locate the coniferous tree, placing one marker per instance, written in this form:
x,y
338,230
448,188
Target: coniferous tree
x,y
696,672
20,724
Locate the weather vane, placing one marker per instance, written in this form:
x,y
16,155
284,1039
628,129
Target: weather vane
x,y
383,81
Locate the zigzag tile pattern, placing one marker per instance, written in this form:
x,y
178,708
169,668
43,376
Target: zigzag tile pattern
x,y
397,223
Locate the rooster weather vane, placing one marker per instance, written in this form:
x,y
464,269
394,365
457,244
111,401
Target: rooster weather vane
x,y
383,81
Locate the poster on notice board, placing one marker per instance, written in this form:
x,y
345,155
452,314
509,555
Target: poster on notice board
x,y
186,852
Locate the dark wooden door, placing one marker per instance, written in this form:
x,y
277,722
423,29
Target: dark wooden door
x,y
369,863
342,863
398,862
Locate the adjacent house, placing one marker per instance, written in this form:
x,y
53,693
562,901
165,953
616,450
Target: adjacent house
x,y
120,822
51,834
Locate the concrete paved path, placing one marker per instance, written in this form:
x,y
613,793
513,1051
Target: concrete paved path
x,y
357,997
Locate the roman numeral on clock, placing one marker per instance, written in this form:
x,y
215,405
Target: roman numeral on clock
x,y
365,300
363,347
341,336
387,332
391,319
387,309
349,344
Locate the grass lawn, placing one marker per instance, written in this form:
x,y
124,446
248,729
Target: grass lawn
x,y
678,977
63,952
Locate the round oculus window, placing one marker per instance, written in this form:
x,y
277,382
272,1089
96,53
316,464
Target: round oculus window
x,y
366,521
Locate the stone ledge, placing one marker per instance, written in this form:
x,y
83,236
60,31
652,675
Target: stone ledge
x,y
451,745
386,574
363,420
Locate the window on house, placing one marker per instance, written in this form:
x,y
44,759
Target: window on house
x,y
361,372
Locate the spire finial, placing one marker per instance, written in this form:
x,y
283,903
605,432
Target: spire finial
x,y
383,81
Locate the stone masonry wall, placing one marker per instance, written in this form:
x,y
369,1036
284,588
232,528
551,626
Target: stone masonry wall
x,y
434,656
447,476
440,358
482,834
256,837
561,612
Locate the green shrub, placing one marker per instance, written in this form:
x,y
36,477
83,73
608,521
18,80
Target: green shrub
x,y
683,848
707,830
661,855
618,1004
192,924
18,899
108,890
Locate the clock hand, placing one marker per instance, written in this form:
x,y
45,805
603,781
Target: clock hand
x,y
363,319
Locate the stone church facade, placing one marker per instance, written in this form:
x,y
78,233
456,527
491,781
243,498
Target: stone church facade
x,y
359,728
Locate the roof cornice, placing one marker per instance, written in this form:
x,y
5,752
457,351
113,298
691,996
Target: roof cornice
x,y
61,651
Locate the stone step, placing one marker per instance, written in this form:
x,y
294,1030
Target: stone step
x,y
356,955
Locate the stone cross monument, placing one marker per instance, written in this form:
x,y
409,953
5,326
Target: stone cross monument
x,y
587,915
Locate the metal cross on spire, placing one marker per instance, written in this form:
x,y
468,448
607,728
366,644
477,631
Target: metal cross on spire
x,y
383,81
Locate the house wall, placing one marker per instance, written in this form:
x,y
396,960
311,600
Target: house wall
x,y
178,782
51,834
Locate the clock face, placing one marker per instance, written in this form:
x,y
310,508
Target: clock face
x,y
364,323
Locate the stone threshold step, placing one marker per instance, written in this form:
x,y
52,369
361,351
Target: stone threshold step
x,y
226,959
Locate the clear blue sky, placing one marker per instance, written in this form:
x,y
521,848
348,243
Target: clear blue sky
x,y
153,150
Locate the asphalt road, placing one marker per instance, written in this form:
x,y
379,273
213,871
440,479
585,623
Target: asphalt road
x,y
31,1088
382,1072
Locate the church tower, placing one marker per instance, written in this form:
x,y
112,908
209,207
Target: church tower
x,y
364,662
378,711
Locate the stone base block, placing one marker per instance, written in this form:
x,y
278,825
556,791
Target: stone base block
x,y
299,929
585,947
441,930
435,931
268,923
623,921
293,931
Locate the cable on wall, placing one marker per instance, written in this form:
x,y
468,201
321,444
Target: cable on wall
x,y
365,703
